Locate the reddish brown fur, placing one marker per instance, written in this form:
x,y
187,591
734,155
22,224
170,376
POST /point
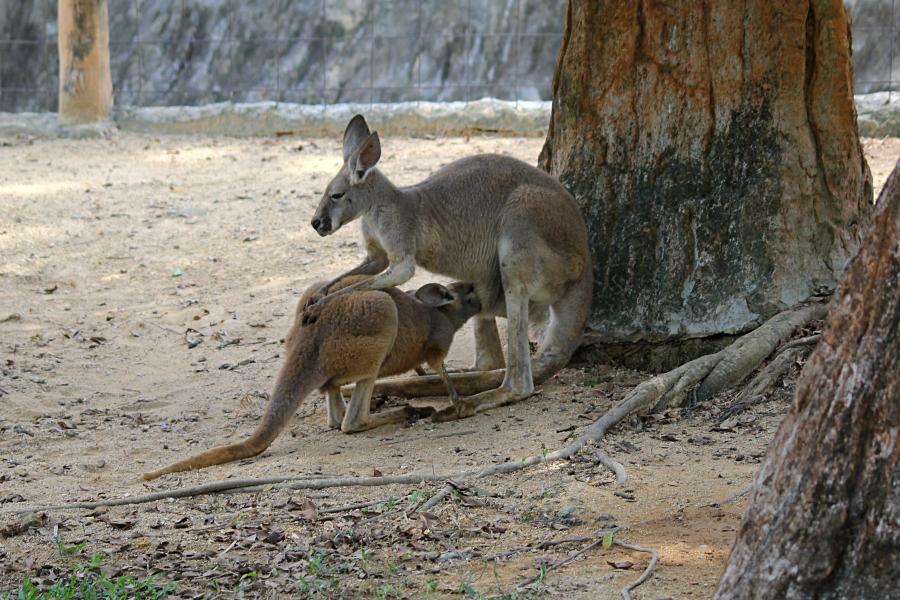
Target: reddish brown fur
x,y
358,337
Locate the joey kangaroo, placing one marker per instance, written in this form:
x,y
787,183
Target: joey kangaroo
x,y
498,222
357,338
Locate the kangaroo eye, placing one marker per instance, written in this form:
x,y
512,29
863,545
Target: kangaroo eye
x,y
338,196
360,174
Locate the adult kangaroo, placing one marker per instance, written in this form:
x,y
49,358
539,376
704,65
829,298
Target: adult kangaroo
x,y
495,221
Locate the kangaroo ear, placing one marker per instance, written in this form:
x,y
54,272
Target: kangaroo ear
x,y
434,295
365,158
356,133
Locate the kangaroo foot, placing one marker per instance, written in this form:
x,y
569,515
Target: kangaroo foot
x,y
416,413
405,414
459,410
433,385
472,405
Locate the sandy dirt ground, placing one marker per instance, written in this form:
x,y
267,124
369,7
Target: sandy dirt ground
x,y
114,254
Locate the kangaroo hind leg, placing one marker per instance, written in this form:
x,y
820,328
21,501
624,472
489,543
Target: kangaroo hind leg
x,y
336,407
359,418
488,350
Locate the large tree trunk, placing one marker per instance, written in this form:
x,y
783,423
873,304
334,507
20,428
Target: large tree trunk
x,y
824,521
713,149
85,84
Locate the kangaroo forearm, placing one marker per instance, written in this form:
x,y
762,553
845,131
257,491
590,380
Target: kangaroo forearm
x,y
395,275
373,265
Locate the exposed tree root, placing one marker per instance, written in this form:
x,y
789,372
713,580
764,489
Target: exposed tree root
x,y
701,378
754,392
604,459
746,354
810,340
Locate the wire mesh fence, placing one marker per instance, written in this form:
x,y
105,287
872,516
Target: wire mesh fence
x,y
189,52
322,52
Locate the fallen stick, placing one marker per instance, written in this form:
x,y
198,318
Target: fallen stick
x,y
654,558
626,591
439,497
506,554
540,576
353,506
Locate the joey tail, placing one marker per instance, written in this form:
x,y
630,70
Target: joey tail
x,y
290,390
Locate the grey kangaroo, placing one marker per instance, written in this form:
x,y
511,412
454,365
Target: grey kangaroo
x,y
498,222
358,338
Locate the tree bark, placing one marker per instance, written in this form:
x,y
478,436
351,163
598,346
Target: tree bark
x,y
824,521
85,84
713,149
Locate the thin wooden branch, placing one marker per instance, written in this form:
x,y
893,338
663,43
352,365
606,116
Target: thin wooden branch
x,y
540,576
542,546
353,506
439,497
654,558
626,591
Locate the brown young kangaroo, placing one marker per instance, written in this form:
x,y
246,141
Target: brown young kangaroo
x,y
357,338
506,226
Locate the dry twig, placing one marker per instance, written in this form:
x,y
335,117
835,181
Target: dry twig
x,y
439,497
626,591
540,576
654,558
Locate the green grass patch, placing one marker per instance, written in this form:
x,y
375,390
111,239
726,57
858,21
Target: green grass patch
x,y
88,582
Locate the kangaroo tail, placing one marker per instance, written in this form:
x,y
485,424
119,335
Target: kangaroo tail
x,y
290,390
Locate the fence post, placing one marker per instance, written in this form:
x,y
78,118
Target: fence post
x,y
85,84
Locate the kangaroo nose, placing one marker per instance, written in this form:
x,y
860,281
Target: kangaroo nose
x,y
316,223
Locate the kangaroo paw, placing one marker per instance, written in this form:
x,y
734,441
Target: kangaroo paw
x,y
416,413
311,314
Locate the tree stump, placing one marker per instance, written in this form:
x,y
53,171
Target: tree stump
x,y
713,149
824,520
85,83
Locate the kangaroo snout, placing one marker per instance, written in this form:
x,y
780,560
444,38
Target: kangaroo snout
x,y
322,225
471,304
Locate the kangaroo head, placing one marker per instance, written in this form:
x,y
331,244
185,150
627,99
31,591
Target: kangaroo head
x,y
348,195
458,301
